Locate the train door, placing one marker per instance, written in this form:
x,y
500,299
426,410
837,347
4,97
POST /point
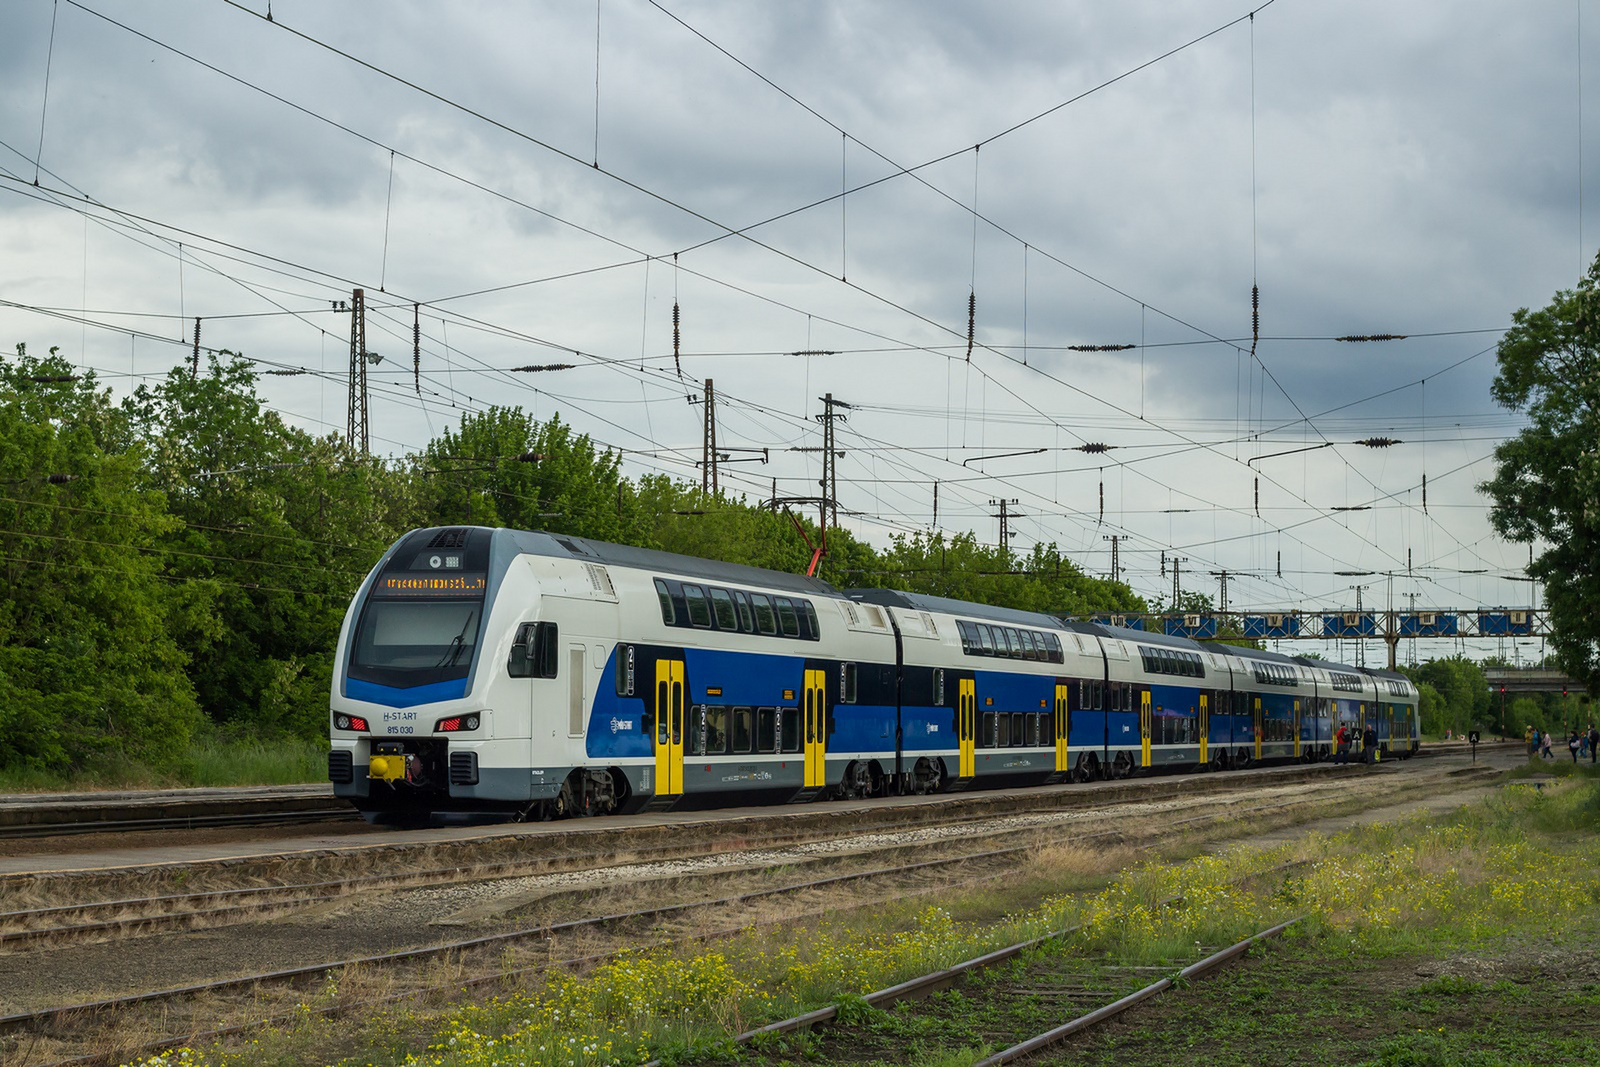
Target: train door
x,y
1297,729
669,727
1205,727
1256,725
1144,727
967,727
816,727
1061,726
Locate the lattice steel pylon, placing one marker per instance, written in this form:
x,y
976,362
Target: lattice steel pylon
x,y
357,427
708,458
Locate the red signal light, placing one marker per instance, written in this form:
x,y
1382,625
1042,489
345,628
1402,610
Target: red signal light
x,y
350,722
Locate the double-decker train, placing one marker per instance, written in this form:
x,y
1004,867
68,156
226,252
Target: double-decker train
x,y
486,672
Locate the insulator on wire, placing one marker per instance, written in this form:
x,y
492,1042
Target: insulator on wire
x,y
194,360
1372,337
1424,494
1102,517
1100,348
287,372
675,335
1258,496
52,379
1094,446
972,320
60,479
1379,442
532,367
416,347
1255,317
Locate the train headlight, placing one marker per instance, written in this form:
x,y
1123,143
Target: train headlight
x,y
455,724
349,722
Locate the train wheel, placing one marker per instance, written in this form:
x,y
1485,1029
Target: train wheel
x,y
561,806
1122,766
1219,762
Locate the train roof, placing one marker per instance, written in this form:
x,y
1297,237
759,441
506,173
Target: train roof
x,y
1123,633
540,543
924,602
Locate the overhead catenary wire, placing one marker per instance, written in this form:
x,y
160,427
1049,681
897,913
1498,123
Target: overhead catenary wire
x,y
676,354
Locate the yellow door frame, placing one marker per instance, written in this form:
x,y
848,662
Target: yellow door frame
x,y
1297,729
967,727
1144,727
1205,727
816,728
669,727
1062,727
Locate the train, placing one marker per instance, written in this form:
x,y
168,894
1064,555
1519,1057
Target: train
x,y
509,674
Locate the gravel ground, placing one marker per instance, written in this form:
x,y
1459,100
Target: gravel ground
x,y
398,919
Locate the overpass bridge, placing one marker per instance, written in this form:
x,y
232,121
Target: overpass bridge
x,y
1338,624
1530,680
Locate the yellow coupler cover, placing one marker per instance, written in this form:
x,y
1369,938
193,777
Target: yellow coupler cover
x,y
388,768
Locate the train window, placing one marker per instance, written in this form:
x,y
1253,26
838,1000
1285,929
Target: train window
x,y
810,614
766,618
722,605
847,683
968,639
789,729
985,639
747,621
666,601
1096,695
986,730
1002,730
1028,649
787,617
1047,729
1053,643
714,734
938,687
1019,648
542,647
743,729
625,662
699,610
766,729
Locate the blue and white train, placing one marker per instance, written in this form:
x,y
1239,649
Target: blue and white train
x,y
502,672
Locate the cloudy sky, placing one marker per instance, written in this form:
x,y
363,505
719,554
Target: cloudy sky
x,y
543,181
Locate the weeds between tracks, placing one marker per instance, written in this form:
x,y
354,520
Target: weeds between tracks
x,y
1476,885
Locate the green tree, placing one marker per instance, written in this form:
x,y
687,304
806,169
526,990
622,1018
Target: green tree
x,y
1546,488
278,527
1461,691
88,667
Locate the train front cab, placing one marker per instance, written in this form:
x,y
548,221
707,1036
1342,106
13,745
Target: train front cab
x,y
411,730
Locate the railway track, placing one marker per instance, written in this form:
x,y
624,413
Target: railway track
x,y
47,816
262,999
122,916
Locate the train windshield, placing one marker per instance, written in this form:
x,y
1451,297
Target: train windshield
x,y
415,642
424,612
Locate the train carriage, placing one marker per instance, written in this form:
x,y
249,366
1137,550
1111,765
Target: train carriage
x,y
513,673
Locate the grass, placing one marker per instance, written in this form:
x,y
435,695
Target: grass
x,y
1426,943
218,759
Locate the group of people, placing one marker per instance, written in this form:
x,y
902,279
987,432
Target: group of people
x,y
1581,743
1347,735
